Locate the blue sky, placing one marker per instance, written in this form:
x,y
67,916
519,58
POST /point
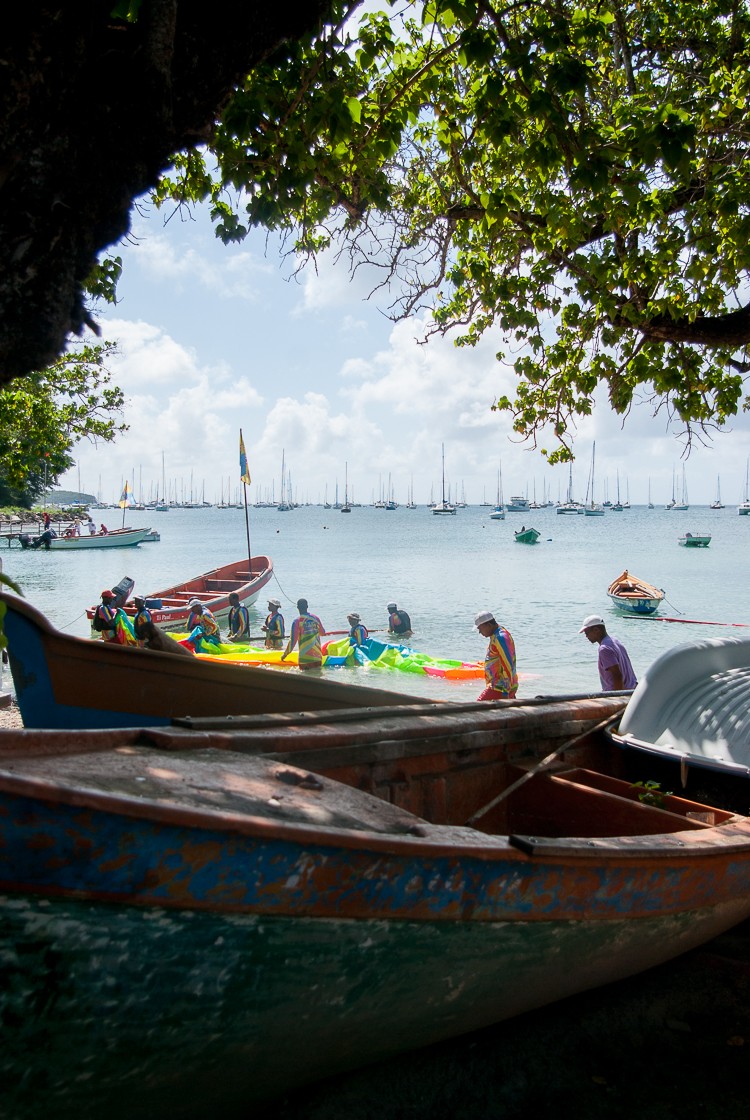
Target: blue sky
x,y
214,338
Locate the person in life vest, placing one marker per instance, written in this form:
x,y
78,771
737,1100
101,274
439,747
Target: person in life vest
x,y
500,673
357,633
141,619
204,635
238,621
306,632
273,627
398,621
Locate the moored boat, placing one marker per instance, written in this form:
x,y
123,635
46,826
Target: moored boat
x,y
527,536
634,595
115,538
327,893
695,540
170,611
64,682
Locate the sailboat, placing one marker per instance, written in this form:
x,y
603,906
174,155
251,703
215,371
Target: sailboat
x,y
499,512
163,505
617,507
744,507
716,503
443,506
682,504
593,509
284,506
569,506
650,503
346,508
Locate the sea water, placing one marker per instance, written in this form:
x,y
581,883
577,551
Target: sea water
x,y
442,570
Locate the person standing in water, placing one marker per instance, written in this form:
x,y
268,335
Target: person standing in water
x,y
501,677
273,627
306,633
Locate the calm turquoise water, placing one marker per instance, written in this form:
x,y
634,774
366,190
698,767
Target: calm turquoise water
x,y
442,570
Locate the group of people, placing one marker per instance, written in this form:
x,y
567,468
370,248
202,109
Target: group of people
x,y
616,672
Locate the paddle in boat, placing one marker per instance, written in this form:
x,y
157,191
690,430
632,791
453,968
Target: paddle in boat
x,y
62,681
115,538
170,611
202,916
633,595
527,536
695,540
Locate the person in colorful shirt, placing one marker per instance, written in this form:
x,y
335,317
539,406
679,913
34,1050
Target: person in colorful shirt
x,y
273,627
500,673
616,672
204,635
358,632
111,621
306,632
238,620
398,621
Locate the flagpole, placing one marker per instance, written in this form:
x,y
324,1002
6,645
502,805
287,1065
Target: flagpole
x,y
245,477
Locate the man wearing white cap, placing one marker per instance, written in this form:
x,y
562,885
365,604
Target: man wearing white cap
x,y
398,621
500,672
273,627
615,670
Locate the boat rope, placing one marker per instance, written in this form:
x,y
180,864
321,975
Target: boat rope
x,y
689,621
674,608
69,624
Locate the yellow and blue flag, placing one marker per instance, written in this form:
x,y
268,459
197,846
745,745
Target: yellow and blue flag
x,y
126,498
244,469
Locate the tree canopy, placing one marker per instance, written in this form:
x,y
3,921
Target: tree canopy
x,y
95,99
43,416
573,172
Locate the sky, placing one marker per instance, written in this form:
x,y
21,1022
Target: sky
x,y
215,339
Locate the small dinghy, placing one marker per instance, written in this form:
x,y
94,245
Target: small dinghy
x,y
695,540
633,595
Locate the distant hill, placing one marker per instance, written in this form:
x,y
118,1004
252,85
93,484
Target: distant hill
x,y
69,498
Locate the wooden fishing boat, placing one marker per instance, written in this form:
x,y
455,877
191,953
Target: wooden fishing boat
x,y
633,595
691,705
170,610
191,919
695,540
527,536
115,538
62,681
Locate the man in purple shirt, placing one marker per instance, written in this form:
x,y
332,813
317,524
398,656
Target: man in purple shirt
x,y
615,671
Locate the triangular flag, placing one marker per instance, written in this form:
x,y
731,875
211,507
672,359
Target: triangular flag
x,y
244,469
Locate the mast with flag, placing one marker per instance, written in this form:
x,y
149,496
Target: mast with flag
x,y
126,499
246,480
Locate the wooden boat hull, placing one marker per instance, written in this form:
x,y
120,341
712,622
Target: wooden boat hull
x,y
529,536
633,595
236,921
212,588
67,682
